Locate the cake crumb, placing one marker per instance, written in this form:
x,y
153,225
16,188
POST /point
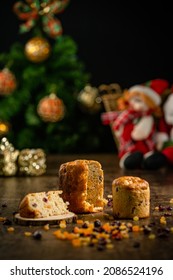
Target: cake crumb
x,y
152,236
163,220
27,233
46,227
62,224
135,218
2,219
10,229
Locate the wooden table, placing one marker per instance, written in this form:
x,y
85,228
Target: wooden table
x,y
139,245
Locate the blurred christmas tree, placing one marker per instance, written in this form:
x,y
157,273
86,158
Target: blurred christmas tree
x,y
40,83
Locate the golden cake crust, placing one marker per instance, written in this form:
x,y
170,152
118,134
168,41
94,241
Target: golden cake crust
x,y
131,182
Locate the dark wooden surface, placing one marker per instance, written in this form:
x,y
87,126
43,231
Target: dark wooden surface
x,y
138,246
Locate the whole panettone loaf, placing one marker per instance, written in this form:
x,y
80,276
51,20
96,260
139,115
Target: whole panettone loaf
x,y
82,183
131,197
42,205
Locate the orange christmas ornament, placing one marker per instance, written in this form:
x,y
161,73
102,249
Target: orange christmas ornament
x,y
7,82
51,108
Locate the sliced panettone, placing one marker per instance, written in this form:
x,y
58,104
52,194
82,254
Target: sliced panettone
x,y
82,183
43,204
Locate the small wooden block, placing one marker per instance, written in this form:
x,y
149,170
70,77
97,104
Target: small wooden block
x,y
52,220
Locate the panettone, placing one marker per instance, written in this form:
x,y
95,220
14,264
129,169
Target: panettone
x,y
82,183
131,197
42,205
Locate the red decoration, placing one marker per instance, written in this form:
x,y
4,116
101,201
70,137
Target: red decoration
x,y
158,85
51,108
7,82
32,11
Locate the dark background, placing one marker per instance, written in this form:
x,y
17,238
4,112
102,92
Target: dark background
x,y
127,42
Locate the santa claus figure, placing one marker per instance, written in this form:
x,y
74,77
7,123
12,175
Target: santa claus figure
x,y
135,126
165,134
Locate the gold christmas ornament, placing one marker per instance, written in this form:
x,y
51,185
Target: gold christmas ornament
x,y
51,108
37,49
8,158
89,99
4,128
7,82
32,162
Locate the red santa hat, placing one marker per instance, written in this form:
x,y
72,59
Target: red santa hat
x,y
153,89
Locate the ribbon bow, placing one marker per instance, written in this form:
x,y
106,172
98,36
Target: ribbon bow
x,y
32,11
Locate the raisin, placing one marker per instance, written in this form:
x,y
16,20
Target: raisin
x,y
37,235
110,202
4,205
167,214
161,208
97,223
100,247
147,229
102,241
7,222
85,225
162,235
136,244
34,204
